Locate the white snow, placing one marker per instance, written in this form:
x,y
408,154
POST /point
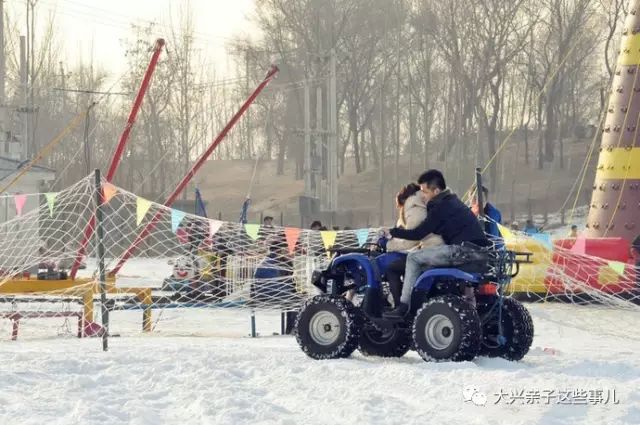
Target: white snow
x,y
218,375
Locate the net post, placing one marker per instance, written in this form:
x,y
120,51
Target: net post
x,y
101,268
253,324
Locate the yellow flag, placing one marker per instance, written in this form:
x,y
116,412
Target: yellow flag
x,y
253,230
142,207
506,233
328,238
51,200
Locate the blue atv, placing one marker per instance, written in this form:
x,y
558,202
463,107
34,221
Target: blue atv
x,y
456,313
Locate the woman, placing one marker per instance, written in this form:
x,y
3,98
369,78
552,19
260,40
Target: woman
x,y
412,211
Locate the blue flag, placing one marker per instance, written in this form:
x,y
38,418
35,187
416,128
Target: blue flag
x,y
200,209
243,212
362,235
176,219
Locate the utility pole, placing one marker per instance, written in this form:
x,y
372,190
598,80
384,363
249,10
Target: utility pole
x,y
23,83
3,101
87,148
381,161
64,88
332,138
316,164
307,142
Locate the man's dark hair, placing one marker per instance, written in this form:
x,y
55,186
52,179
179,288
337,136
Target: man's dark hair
x,y
433,179
316,224
574,227
267,218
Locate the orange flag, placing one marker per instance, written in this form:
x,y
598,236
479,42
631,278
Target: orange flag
x,y
292,234
109,191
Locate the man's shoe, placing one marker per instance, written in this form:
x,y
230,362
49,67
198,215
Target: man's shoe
x,y
399,312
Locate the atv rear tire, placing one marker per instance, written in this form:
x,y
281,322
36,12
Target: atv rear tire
x,y
393,343
327,327
517,328
447,328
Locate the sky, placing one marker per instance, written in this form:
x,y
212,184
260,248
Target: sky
x,y
102,26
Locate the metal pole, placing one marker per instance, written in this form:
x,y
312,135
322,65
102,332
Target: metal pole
x,y
23,82
87,152
307,142
479,193
333,135
101,268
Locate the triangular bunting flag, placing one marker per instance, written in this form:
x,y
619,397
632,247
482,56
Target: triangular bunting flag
x,y
362,235
506,233
176,219
252,230
328,238
142,206
544,239
214,226
20,200
580,246
109,191
292,234
617,266
51,200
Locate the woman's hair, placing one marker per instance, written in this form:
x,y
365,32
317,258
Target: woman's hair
x,y
406,192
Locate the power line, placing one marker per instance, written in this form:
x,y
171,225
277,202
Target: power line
x,y
93,92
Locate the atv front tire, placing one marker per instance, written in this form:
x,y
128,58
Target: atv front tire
x,y
447,328
517,328
327,327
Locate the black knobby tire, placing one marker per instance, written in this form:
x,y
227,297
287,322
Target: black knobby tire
x,y
517,328
391,343
447,328
327,327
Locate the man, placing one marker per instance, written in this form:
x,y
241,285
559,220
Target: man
x,y
635,254
448,217
316,225
493,218
267,221
530,228
574,231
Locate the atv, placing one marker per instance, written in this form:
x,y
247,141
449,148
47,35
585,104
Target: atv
x,y
456,313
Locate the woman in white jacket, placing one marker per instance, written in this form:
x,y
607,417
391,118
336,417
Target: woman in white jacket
x,y
412,211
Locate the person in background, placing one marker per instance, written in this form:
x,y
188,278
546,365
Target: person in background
x,y
635,254
530,228
574,231
515,226
267,221
493,217
316,225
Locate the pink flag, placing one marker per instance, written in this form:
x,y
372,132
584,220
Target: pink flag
x,y
580,246
20,200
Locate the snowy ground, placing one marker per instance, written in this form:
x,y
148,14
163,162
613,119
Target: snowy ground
x,y
218,374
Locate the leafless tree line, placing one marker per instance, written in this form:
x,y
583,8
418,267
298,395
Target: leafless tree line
x,y
431,79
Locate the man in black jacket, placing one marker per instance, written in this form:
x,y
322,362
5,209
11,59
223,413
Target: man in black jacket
x,y
448,217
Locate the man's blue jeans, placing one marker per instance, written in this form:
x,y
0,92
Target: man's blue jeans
x,y
428,258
